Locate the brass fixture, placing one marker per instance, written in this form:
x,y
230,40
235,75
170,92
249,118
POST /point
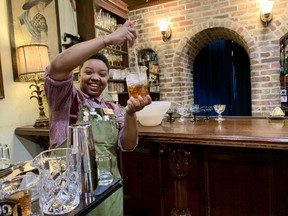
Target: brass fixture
x,y
266,11
164,26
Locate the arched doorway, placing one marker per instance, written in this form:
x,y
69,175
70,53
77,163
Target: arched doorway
x,y
221,74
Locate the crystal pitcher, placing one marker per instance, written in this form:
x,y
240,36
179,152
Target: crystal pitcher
x,y
60,180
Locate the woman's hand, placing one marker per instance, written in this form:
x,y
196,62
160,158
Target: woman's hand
x,y
130,131
126,32
134,105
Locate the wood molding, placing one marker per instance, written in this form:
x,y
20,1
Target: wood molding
x,y
137,4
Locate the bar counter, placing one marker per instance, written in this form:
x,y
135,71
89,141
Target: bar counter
x,y
205,168
233,132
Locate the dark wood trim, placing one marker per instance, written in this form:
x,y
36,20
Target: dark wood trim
x,y
29,130
134,5
2,95
119,8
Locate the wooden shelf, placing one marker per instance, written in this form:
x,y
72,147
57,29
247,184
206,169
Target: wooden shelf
x,y
29,130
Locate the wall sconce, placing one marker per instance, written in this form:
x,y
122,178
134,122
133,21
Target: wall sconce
x,y
164,26
32,59
266,11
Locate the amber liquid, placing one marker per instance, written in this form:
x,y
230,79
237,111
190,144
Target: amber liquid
x,y
23,198
138,90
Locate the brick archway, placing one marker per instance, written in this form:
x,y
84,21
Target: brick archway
x,y
190,20
195,40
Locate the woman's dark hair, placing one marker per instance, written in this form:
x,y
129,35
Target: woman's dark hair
x,y
101,57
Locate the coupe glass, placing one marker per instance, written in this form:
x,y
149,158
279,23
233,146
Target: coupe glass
x,y
219,108
170,112
206,110
194,109
182,111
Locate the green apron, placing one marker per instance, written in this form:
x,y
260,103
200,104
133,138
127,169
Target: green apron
x,y
105,135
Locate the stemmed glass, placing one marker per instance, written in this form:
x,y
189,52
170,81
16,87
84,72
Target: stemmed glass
x,y
219,108
194,109
182,111
206,110
170,112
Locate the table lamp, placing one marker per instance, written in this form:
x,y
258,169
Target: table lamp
x,y
32,59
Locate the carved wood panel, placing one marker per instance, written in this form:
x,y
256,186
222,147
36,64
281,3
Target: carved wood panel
x,y
237,184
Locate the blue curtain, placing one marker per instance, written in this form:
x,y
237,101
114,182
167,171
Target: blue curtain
x,y
221,74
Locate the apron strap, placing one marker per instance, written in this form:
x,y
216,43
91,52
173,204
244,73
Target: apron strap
x,y
75,107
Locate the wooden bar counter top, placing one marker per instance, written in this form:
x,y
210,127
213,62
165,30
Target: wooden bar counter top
x,y
234,132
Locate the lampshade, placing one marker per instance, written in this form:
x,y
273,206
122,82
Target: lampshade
x,y
266,6
32,59
163,25
266,14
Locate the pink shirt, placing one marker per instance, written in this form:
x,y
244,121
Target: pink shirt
x,y
60,95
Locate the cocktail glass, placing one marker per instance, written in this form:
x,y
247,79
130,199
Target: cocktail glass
x,y
4,156
170,113
182,111
206,110
136,79
219,108
17,193
194,109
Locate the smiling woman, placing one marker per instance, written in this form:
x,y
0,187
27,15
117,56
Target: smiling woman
x,y
1,82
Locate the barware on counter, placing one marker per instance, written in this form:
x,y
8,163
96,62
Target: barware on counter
x,y
170,113
194,109
153,113
60,180
80,136
17,193
104,167
219,108
4,157
206,110
172,109
183,112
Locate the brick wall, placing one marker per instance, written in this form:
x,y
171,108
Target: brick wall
x,y
194,24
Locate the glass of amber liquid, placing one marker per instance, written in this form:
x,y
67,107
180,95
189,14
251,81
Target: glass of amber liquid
x,y
136,79
15,198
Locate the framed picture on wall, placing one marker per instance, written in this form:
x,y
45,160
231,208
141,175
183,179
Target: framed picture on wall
x,y
1,82
33,22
